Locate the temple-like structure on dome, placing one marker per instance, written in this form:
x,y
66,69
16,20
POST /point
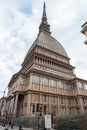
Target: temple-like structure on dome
x,y
46,81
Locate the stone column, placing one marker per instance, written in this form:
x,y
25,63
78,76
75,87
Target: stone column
x,y
81,105
9,107
67,109
29,104
50,104
77,85
15,105
48,85
49,100
35,109
30,82
59,106
12,105
40,89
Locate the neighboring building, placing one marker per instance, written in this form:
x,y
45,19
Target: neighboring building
x,y
3,108
46,82
84,30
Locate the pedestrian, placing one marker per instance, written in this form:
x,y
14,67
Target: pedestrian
x,y
44,128
4,123
20,127
12,124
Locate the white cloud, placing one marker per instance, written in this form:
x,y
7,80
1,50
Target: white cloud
x,y
19,22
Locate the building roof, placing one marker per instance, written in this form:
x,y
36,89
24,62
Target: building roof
x,y
84,24
45,40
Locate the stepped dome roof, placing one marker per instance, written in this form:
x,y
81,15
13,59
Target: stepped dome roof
x,y
44,38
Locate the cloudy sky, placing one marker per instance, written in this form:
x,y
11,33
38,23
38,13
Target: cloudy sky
x,y
19,22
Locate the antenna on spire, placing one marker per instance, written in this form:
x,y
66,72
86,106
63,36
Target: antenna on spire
x,y
44,12
44,26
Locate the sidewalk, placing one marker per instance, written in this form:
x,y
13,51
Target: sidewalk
x,y
3,128
14,128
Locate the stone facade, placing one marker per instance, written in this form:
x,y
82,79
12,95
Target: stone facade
x,y
84,31
46,82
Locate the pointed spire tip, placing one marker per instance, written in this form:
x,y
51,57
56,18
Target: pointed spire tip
x,y
44,4
44,26
44,11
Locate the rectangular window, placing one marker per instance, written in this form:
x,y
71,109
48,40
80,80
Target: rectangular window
x,y
62,111
76,100
44,96
83,100
66,86
37,107
59,84
73,86
85,110
53,83
69,101
70,111
35,79
53,99
78,111
45,109
69,86
23,81
85,85
44,81
80,85
62,100
33,108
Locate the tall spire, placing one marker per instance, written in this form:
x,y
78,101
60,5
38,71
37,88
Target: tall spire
x,y
44,18
44,26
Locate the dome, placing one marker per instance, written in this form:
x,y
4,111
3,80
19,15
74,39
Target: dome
x,y
44,38
47,41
